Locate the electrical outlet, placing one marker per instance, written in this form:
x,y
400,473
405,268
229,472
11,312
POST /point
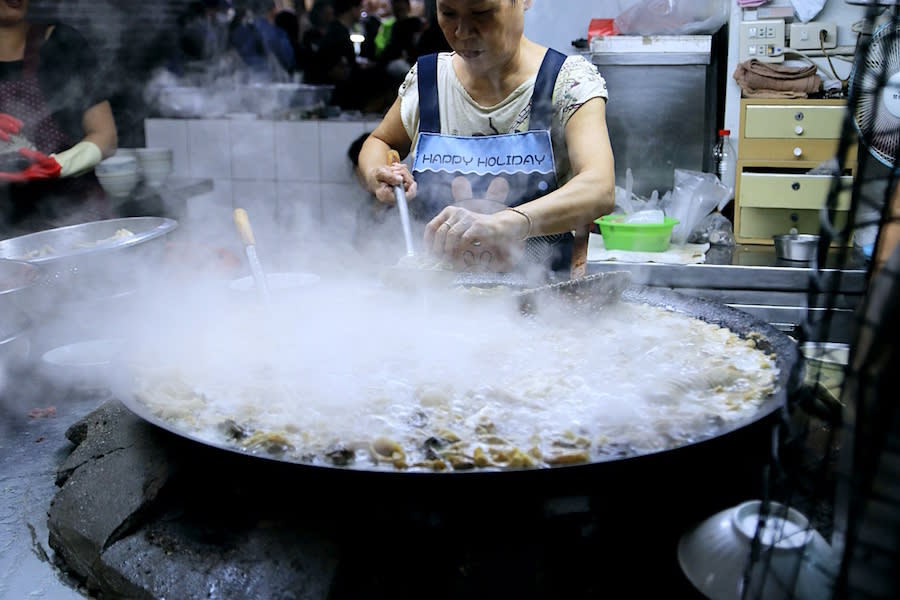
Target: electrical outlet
x,y
762,40
805,36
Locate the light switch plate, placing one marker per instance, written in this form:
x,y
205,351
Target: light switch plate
x,y
762,40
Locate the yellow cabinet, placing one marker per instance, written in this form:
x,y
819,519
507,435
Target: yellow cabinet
x,y
779,141
794,122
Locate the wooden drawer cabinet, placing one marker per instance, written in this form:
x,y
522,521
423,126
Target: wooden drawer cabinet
x,y
795,122
787,190
778,143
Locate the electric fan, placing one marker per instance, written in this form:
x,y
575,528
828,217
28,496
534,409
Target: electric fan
x,y
875,82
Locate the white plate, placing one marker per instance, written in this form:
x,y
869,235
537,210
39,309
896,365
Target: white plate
x,y
91,353
277,282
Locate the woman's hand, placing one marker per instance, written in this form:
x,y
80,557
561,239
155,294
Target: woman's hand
x,y
384,179
472,241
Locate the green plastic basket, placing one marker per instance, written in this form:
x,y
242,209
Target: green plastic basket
x,y
643,237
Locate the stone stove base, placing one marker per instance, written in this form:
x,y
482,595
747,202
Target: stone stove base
x,y
141,513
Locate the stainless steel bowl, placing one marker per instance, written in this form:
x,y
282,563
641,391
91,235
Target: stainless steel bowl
x,y
15,337
797,247
19,283
18,286
91,260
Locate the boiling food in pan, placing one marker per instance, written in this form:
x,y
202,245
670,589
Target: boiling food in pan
x,y
523,393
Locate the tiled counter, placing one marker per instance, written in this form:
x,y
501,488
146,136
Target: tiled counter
x,y
293,177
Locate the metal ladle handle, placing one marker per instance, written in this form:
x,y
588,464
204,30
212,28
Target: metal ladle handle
x,y
400,196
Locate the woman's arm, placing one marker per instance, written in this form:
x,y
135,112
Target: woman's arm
x,y
373,164
100,141
100,128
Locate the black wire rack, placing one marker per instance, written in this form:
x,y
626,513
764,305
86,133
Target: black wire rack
x,y
836,450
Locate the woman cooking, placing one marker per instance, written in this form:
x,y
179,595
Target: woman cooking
x,y
55,125
511,148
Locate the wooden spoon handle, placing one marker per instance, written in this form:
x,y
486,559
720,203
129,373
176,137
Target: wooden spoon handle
x,y
242,223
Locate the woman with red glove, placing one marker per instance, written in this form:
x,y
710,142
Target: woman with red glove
x,y
55,122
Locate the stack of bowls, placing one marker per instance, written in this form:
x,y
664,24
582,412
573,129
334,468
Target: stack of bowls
x,y
156,165
118,175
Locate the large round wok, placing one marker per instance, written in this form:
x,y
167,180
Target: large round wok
x,y
735,453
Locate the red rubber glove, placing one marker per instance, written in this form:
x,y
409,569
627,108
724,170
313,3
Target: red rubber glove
x,y
8,126
41,167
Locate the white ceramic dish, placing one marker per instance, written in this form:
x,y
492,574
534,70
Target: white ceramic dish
x,y
278,282
795,560
89,363
90,353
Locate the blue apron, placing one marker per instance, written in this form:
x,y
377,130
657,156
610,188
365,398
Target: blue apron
x,y
489,173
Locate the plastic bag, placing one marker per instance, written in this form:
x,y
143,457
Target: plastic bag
x,y
806,10
715,229
694,196
673,17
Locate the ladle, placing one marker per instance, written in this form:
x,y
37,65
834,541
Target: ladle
x,y
400,196
242,223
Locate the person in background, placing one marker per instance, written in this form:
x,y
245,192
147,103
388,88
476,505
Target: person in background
x,y
264,47
395,46
527,123
288,22
357,86
56,124
202,36
431,39
320,17
374,14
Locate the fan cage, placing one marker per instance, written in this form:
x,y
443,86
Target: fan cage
x,y
837,459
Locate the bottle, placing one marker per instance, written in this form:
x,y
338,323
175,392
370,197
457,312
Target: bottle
x,y
725,158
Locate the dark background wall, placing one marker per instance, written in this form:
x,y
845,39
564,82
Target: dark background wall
x,y
131,37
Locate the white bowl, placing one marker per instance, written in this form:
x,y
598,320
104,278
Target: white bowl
x,y
156,164
116,164
118,184
278,282
795,561
156,177
153,154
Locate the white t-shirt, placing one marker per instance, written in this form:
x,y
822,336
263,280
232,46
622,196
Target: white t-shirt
x,y
578,82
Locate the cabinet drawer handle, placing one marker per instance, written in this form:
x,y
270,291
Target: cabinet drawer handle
x,y
795,186
798,130
798,116
798,151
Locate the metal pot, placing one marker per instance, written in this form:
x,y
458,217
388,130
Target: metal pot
x,y
798,247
